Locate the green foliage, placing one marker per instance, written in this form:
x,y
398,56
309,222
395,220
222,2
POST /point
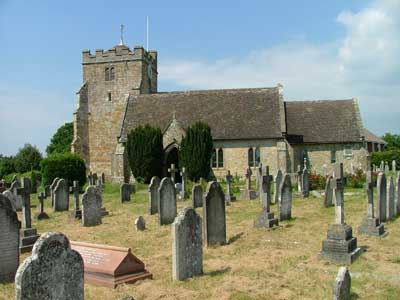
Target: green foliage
x,y
387,156
317,182
7,165
28,158
145,152
196,151
392,140
356,180
61,140
68,166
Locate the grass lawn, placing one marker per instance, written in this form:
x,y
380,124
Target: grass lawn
x,y
256,264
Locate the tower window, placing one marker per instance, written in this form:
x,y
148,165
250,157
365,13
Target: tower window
x,y
107,74
220,158
109,96
217,158
333,156
112,73
257,156
250,154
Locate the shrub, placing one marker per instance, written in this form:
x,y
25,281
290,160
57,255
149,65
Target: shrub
x,y
356,180
28,158
61,140
196,151
389,156
317,182
145,152
68,166
7,165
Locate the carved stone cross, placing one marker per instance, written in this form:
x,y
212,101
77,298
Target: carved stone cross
x,y
25,192
172,170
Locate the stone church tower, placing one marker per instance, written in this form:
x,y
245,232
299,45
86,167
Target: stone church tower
x,y
109,77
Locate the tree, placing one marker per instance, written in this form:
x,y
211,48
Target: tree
x,y
7,165
28,158
145,152
61,140
196,151
392,140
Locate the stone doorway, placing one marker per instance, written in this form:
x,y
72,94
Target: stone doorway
x,y
172,157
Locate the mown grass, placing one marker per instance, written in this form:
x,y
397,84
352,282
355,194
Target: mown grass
x,y
255,264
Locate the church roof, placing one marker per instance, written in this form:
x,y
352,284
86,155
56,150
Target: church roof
x,y
370,137
326,121
231,113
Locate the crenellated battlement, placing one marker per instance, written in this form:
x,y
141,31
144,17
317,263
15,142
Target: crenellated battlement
x,y
119,53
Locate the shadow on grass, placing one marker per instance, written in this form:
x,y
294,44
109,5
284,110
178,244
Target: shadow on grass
x,y
217,272
235,238
364,248
354,296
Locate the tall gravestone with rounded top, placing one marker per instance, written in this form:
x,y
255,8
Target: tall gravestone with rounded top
x,y
381,197
17,198
167,204
285,198
53,271
9,240
278,181
91,206
397,194
197,196
390,199
154,196
214,221
52,187
328,201
61,196
305,182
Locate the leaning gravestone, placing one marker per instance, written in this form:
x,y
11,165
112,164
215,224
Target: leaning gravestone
x,y
390,199
381,197
154,196
197,196
91,206
214,226
17,198
167,203
53,271
125,192
328,192
285,199
278,180
187,245
9,240
61,196
342,285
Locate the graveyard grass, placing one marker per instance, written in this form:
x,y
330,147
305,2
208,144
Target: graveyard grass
x,y
255,264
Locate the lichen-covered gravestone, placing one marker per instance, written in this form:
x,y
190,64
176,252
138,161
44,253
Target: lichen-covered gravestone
x,y
342,285
167,203
61,196
214,218
197,196
91,206
381,197
278,181
285,199
390,199
9,240
53,271
187,245
125,192
328,201
154,196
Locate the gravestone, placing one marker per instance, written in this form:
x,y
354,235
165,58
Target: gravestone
x,y
298,177
184,175
390,205
371,225
328,192
340,245
140,223
52,187
342,285
125,192
266,217
258,176
397,194
103,178
229,197
17,199
167,203
10,197
305,183
103,210
47,191
381,197
278,181
95,178
214,222
387,167
61,196
154,196
382,166
75,189
9,240
53,271
42,214
285,199
28,235
172,172
91,206
197,196
187,245
247,193
394,167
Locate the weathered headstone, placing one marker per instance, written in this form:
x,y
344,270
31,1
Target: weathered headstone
x,y
214,226
394,167
187,245
91,206
328,192
172,172
305,183
340,245
167,204
382,166
95,178
53,271
154,196
103,178
390,205
52,187
17,198
42,214
77,213
184,175
342,285
397,194
61,196
10,197
278,180
381,197
266,217
247,193
370,225
47,191
9,240
298,177
125,192
285,199
197,196
28,235
229,197
140,223
258,176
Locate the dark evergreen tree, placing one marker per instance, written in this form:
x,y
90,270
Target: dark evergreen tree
x,y
196,151
28,158
145,152
61,140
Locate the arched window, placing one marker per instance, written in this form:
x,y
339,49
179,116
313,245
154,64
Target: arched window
x,y
251,157
220,158
107,74
257,157
214,159
112,73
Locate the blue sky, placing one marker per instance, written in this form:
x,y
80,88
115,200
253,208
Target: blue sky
x,y
316,49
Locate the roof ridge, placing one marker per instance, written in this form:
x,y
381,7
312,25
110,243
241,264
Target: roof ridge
x,y
318,101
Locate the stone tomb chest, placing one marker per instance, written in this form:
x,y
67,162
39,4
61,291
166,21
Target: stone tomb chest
x,y
110,266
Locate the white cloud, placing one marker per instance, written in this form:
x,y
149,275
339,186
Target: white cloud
x,y
364,64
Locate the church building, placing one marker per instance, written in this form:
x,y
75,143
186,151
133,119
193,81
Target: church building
x,y
249,126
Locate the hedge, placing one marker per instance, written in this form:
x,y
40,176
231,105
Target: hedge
x,y
386,156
